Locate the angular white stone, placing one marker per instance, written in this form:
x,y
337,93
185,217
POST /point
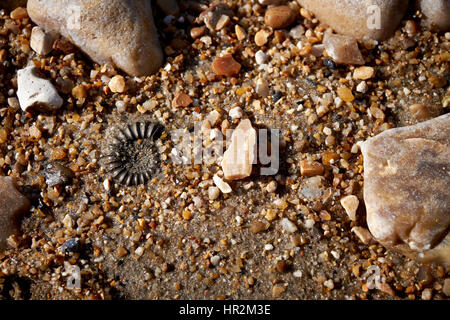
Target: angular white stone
x,y
350,204
42,42
222,185
238,158
34,91
288,225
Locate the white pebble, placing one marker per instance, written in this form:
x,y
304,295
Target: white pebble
x,y
362,87
236,113
288,225
261,57
35,91
350,204
222,185
268,247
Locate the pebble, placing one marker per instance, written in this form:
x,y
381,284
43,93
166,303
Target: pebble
x,y
342,49
42,42
226,66
268,247
288,226
262,88
215,260
297,274
19,13
354,18
350,204
71,245
280,17
345,94
240,33
437,13
261,37
363,73
281,266
181,100
117,84
427,294
446,287
363,234
406,188
238,158
236,113
311,168
261,57
271,186
213,193
120,32
216,17
13,205
35,92
57,174
80,92
362,87
222,185
197,32
277,291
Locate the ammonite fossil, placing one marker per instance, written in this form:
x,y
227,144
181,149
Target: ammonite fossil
x,y
133,156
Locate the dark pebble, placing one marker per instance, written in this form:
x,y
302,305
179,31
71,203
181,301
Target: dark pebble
x,y
330,64
71,245
277,95
57,174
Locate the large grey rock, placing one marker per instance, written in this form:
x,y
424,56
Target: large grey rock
x,y
12,204
406,189
355,17
437,13
121,32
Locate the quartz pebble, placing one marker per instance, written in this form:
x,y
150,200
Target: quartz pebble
x,y
181,100
35,92
359,19
437,13
213,193
406,188
350,204
120,32
363,234
222,185
261,57
42,42
363,73
343,49
117,84
13,204
279,17
226,66
288,225
236,113
238,158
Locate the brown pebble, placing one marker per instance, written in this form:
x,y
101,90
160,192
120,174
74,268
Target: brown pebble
x,y
311,168
282,266
19,13
277,291
446,287
181,100
64,46
257,226
79,92
198,32
121,252
226,66
279,17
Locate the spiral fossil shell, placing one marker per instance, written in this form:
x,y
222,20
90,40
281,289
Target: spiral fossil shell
x,y
134,158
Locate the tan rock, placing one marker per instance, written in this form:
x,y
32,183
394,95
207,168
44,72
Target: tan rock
x,y
13,204
350,204
437,13
363,73
19,13
42,42
120,32
280,17
117,84
343,49
240,32
238,158
226,66
407,174
359,19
